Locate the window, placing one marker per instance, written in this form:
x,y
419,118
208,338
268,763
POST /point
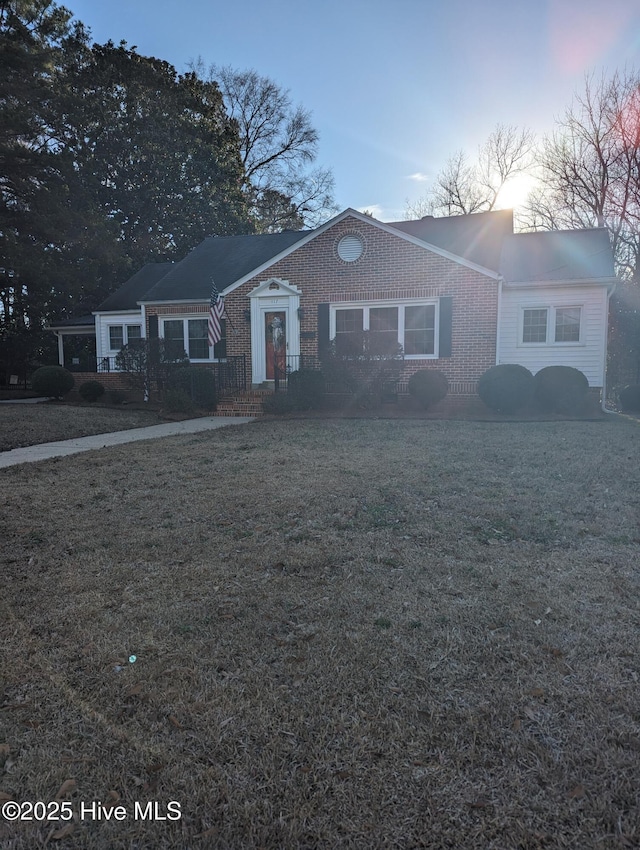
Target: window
x,y
551,325
412,326
567,324
120,335
383,324
534,325
198,348
190,337
419,329
349,327
116,337
174,339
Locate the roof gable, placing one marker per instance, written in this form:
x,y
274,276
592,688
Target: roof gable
x,y
391,229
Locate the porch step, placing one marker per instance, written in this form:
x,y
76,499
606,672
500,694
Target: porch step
x,y
242,404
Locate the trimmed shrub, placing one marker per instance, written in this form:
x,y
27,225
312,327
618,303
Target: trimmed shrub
x,y
506,388
177,401
197,383
428,386
91,390
306,387
279,403
560,389
52,381
630,399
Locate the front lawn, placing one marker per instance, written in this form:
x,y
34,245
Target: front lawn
x,y
32,424
328,634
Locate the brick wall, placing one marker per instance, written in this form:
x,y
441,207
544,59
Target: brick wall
x,y
390,267
109,380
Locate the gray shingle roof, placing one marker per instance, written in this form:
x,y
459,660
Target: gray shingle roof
x,y
486,239
77,322
557,255
128,295
223,258
477,238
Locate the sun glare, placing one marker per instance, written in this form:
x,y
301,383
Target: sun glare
x,y
514,194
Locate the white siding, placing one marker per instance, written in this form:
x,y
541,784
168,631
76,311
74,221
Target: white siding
x,y
587,355
104,321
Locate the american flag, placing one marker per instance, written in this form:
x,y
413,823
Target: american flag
x,y
216,311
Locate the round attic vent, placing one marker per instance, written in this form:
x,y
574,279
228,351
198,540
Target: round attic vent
x,y
350,248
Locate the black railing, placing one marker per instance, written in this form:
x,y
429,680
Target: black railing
x,y
91,364
230,375
283,366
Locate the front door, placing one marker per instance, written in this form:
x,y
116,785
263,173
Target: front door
x,y
275,335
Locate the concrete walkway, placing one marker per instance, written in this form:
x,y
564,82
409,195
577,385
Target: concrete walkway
x,y
30,454
23,400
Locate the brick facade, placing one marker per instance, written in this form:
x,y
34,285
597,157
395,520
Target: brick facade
x,y
390,268
109,380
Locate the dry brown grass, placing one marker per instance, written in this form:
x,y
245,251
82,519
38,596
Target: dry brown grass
x,y
32,424
374,634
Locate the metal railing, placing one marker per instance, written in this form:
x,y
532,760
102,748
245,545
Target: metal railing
x,y
230,375
91,364
283,366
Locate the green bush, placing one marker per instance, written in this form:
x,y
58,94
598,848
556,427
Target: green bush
x,y
428,386
506,388
362,364
306,387
560,389
52,381
177,401
279,403
91,390
630,399
197,383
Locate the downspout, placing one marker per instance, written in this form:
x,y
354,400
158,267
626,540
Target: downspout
x,y
60,348
499,319
606,348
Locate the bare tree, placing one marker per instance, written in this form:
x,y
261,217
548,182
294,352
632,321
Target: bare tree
x,y
589,169
278,147
462,188
589,172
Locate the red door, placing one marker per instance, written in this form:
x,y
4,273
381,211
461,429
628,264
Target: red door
x,y
275,334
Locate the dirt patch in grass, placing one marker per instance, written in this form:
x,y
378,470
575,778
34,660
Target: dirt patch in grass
x,y
32,424
346,635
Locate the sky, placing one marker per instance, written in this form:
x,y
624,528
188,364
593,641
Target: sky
x,y
395,87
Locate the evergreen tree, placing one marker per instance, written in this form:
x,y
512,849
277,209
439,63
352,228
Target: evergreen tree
x,y
108,160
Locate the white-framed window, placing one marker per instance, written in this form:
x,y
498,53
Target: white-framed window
x,y
189,336
121,335
412,325
550,325
567,324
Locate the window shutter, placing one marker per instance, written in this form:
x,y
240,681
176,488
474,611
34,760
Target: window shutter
x,y
446,311
323,331
153,327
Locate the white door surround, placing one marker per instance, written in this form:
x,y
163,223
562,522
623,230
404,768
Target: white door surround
x,y
273,295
